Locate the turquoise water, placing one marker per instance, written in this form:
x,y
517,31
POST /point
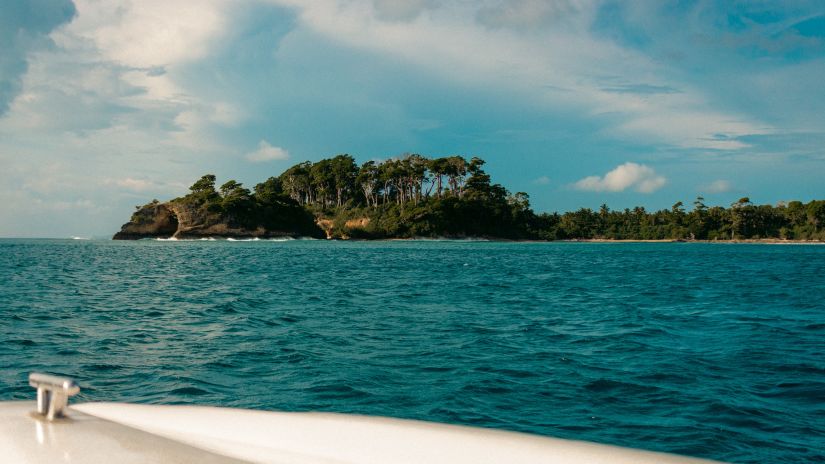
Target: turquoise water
x,y
708,350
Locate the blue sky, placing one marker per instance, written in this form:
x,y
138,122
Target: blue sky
x,y
105,105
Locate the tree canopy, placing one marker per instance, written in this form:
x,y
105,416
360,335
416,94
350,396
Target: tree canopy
x,y
413,195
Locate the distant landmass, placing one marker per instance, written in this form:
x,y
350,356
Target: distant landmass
x,y
451,197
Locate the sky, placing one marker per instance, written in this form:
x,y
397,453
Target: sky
x,y
108,104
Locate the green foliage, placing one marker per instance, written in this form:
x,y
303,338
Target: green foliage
x,y
743,220
269,191
413,196
202,191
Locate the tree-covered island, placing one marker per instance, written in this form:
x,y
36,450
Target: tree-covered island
x,y
415,196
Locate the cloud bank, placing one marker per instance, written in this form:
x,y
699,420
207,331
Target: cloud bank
x,y
641,178
267,152
25,27
151,94
545,53
717,186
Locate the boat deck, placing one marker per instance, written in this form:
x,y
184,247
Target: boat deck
x,y
132,433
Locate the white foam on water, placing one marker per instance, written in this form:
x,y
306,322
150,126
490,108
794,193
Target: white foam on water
x,y
228,239
440,239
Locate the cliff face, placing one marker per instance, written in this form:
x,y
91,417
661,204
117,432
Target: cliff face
x,y
150,221
179,220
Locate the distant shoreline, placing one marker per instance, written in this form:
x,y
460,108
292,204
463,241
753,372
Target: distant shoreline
x,y
766,241
448,198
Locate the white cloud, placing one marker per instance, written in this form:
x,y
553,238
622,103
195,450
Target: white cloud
x,y
267,152
562,64
25,28
108,115
683,126
543,180
137,185
148,33
717,186
401,10
141,185
529,13
642,178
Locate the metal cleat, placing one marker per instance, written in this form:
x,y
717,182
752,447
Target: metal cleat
x,y
52,394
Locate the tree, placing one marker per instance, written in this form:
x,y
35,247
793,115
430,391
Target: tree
x,y
417,170
741,216
795,213
322,182
388,173
202,192
230,187
367,179
344,171
455,170
268,192
697,219
520,210
816,214
438,168
236,200
295,181
205,184
478,185
579,224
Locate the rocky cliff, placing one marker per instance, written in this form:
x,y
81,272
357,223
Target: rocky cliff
x,y
155,220
181,220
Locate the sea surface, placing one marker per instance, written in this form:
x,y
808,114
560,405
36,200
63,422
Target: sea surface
x,y
710,350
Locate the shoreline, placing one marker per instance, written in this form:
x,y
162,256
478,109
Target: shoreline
x,y
763,241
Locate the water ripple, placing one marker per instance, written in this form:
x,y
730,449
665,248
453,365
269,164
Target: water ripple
x,y
712,351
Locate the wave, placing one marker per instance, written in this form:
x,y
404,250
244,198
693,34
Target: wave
x,y
588,351
219,239
441,239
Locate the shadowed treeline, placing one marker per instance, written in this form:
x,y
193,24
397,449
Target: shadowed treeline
x,y
415,196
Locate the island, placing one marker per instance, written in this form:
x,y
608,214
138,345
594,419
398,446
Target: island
x,y
413,196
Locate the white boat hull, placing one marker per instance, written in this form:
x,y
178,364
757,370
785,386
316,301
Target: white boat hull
x,y
125,433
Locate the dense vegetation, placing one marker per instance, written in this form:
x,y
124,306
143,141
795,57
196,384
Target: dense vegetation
x,y
742,220
414,196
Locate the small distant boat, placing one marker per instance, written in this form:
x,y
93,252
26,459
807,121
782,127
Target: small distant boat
x,y
48,431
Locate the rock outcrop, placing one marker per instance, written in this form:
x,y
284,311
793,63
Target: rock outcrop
x,y
180,220
351,228
155,220
327,226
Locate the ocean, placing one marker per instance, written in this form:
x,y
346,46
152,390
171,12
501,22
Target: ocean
x,y
709,350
